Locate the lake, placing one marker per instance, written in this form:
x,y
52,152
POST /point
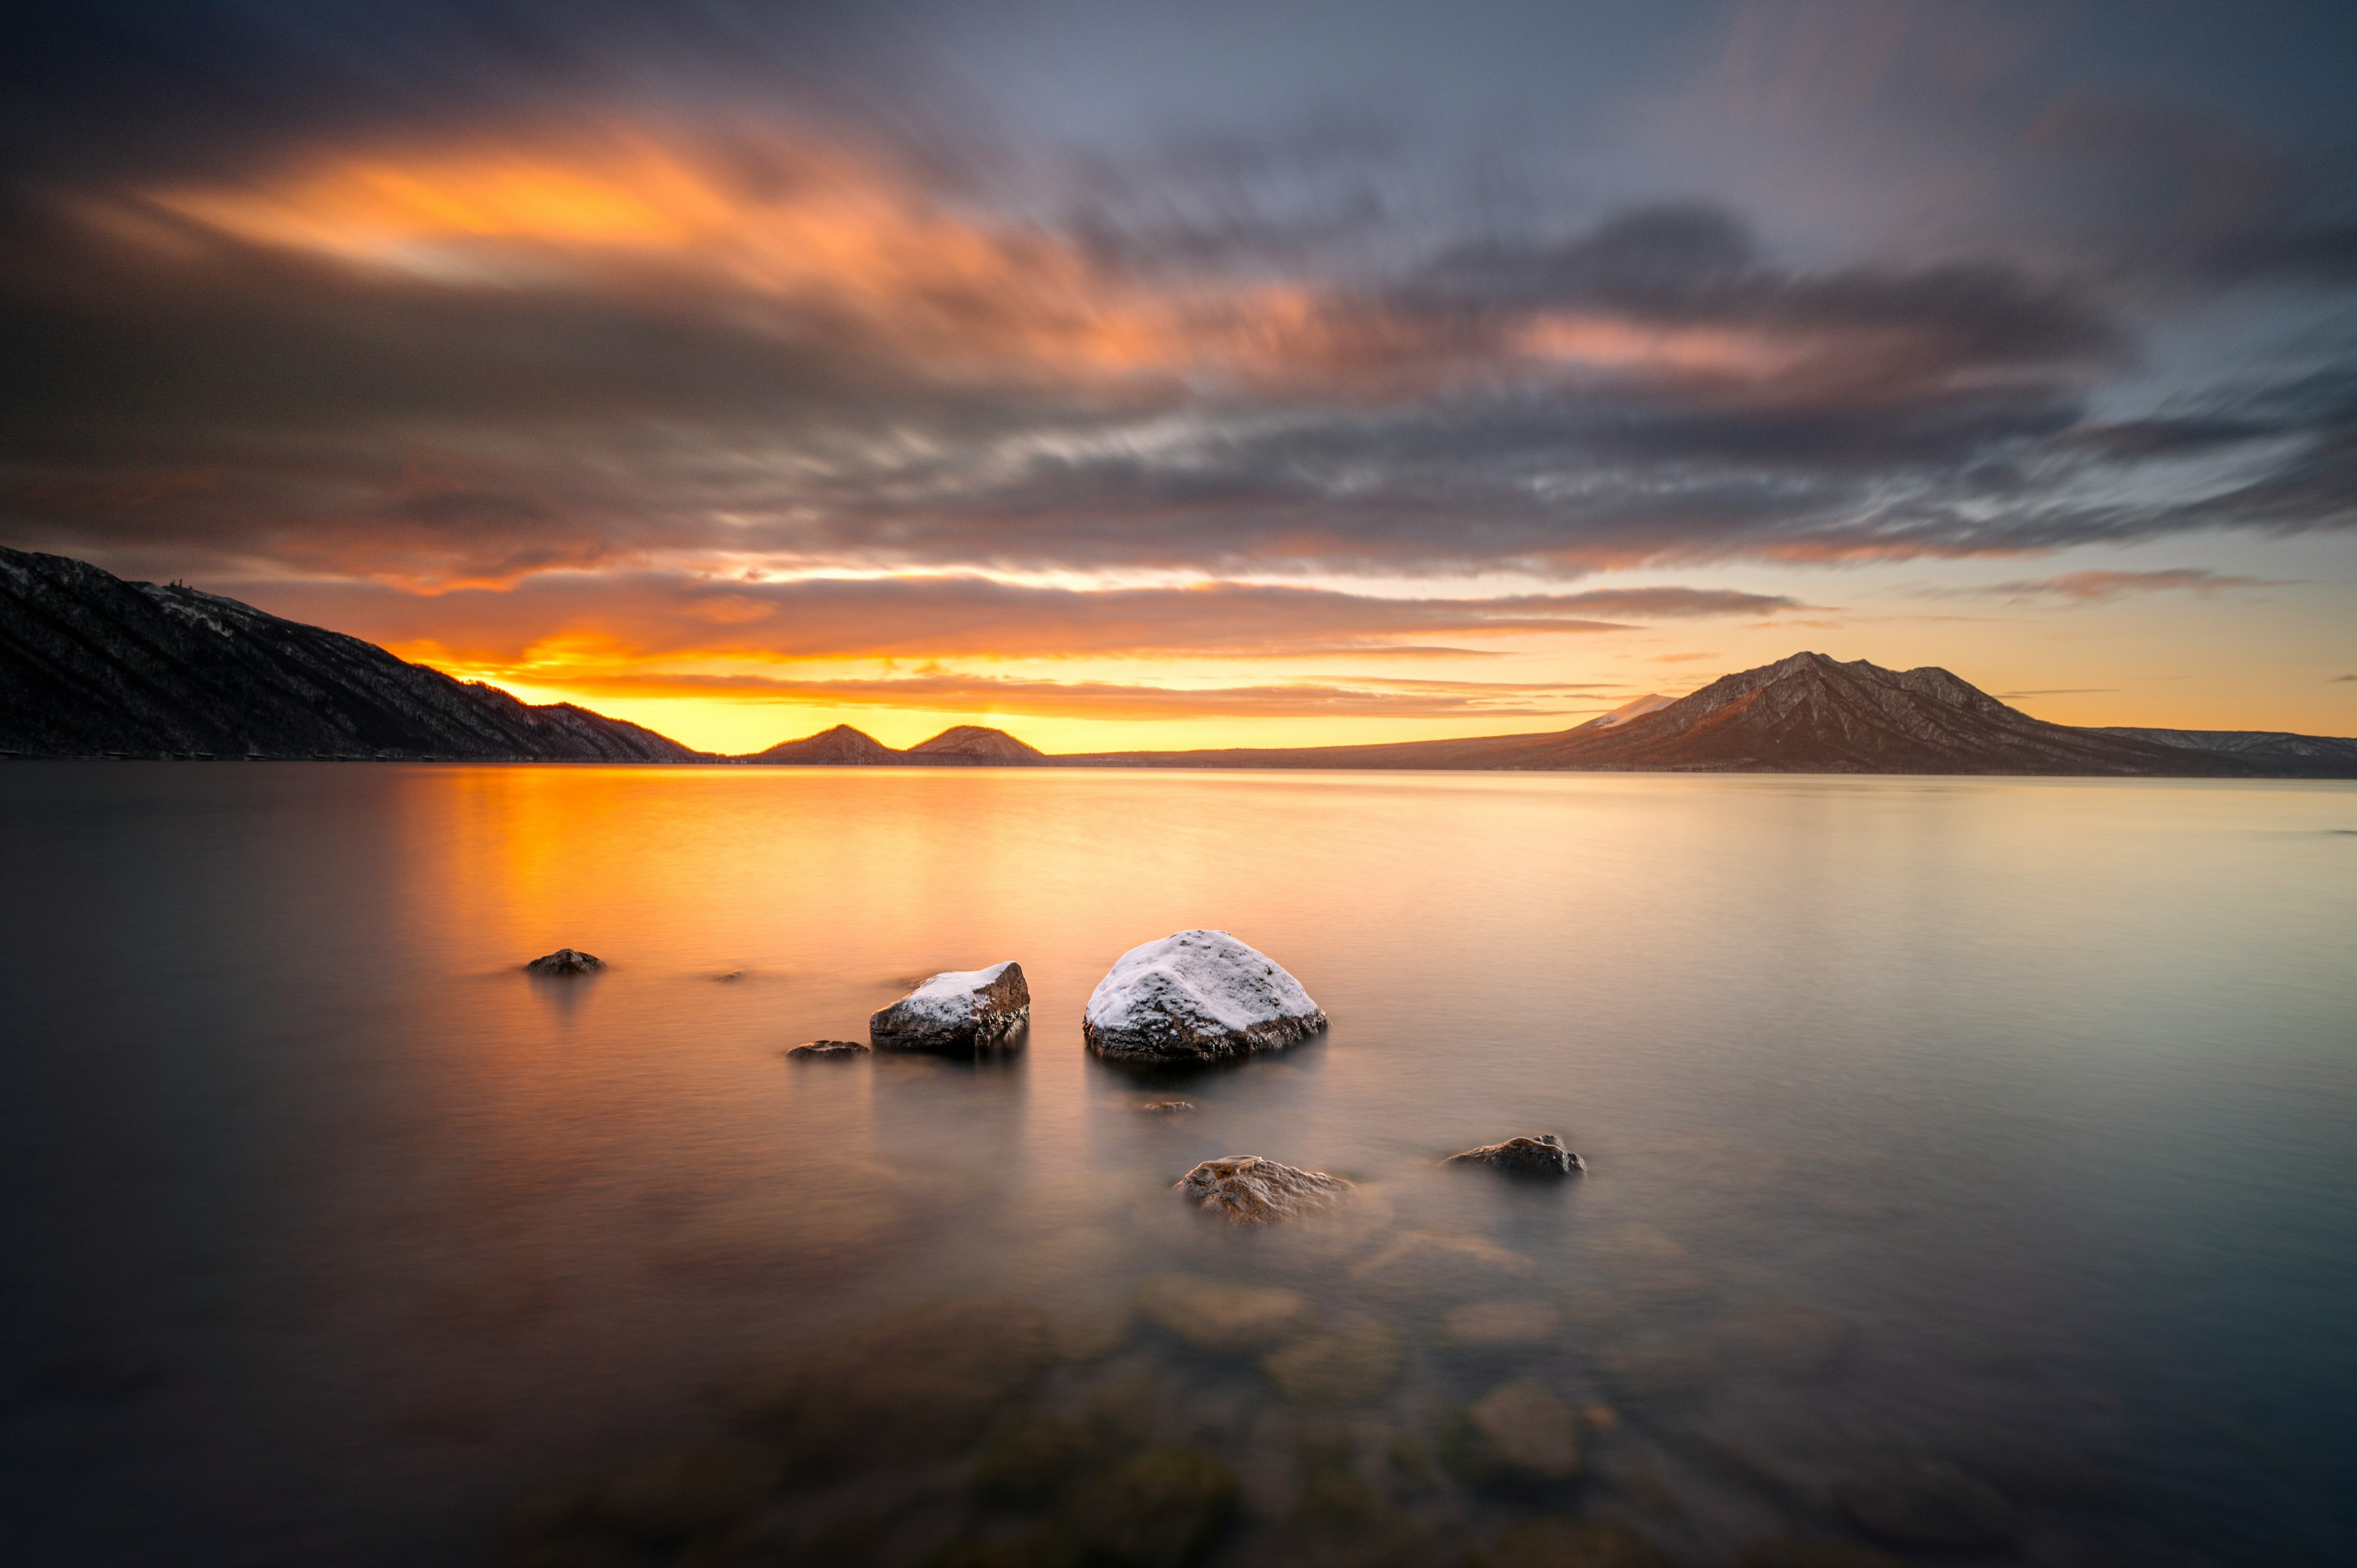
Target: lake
x,y
1973,1170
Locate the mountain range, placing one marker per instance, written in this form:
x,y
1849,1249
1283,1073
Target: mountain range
x,y
91,665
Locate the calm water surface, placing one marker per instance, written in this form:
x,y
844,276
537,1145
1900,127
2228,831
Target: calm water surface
x,y
2007,1127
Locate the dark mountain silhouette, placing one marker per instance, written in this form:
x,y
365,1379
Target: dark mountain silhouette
x,y
1809,714
972,746
961,745
842,746
2268,745
91,665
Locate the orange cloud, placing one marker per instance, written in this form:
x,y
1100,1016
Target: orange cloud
x,y
787,221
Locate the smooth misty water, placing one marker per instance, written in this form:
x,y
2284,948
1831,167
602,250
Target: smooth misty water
x,y
2007,1124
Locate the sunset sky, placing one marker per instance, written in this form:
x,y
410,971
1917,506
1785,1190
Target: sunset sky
x,y
1210,373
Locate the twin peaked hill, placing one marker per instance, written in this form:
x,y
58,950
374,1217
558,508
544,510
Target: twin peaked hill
x,y
961,745
92,666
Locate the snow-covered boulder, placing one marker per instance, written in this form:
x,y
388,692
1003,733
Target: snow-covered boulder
x,y
1194,997
964,1009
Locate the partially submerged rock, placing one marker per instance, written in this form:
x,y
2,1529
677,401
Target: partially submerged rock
x,y
1218,1315
1167,1107
1249,1190
823,1050
967,1009
567,961
1518,1437
1197,997
1543,1155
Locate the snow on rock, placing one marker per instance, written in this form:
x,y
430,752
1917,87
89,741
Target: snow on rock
x,y
1248,1191
1196,996
966,1009
1542,1155
567,961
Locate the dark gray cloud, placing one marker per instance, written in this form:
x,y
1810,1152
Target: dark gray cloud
x,y
1252,345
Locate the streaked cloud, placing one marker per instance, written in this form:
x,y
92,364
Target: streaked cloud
x,y
2096,586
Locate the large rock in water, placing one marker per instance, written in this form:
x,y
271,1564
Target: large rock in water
x,y
1198,996
962,1010
567,961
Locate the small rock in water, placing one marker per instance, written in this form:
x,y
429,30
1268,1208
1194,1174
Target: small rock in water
x,y
1249,1190
1542,1155
1197,997
1167,1107
732,974
1215,1315
1930,1504
810,1050
567,961
1518,1437
969,1009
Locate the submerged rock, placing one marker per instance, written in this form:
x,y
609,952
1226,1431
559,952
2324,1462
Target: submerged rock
x,y
1929,1504
1518,1437
1167,1107
917,1384
1542,1155
968,1009
1341,1522
1248,1191
1161,1509
1433,1263
567,961
1217,1314
1198,996
825,1048
1347,1364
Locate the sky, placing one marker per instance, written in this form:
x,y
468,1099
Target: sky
x,y
1218,373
